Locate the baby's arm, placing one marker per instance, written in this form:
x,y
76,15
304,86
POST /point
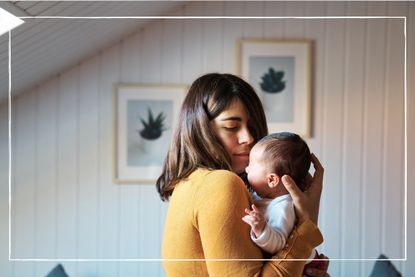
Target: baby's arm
x,y
271,235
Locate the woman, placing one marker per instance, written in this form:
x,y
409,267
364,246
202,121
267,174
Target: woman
x,y
220,120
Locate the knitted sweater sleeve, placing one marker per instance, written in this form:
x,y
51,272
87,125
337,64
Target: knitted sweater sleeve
x,y
218,219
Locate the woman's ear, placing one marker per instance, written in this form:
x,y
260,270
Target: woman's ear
x,y
273,180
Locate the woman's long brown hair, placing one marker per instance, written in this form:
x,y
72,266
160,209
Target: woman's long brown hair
x,y
194,144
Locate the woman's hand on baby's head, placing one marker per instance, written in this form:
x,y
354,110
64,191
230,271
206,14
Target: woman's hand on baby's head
x,y
255,219
307,202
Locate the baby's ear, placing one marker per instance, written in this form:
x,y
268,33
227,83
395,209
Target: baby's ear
x,y
273,180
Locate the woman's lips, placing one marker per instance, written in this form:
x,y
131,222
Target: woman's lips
x,y
244,155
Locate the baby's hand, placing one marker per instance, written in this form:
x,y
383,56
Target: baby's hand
x,y
255,219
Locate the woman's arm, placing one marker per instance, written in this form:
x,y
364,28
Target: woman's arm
x,y
225,236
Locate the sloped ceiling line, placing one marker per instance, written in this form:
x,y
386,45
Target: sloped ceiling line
x,y
41,49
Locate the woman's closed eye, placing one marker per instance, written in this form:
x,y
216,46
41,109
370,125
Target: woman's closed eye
x,y
231,128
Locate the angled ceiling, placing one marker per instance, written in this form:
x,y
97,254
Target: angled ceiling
x,y
43,48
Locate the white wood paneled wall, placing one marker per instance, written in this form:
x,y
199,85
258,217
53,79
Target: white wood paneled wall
x,y
66,206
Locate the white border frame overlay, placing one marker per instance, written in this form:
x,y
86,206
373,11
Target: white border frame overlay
x,y
220,17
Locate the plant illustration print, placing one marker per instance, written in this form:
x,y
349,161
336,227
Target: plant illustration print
x,y
153,128
272,81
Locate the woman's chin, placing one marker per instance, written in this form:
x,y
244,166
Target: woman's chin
x,y
239,169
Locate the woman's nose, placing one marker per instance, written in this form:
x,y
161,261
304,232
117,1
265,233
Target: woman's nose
x,y
246,137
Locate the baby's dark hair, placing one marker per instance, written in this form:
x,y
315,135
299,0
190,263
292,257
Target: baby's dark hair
x,y
287,153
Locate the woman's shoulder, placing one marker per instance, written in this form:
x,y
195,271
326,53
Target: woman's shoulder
x,y
219,180
221,188
215,175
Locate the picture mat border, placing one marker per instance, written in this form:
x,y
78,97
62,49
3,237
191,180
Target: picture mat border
x,y
225,17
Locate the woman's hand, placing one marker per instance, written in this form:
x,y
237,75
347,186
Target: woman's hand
x,y
314,272
307,203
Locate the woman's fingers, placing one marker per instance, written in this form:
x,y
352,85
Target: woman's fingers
x,y
308,179
322,270
314,192
292,188
318,174
327,261
307,203
316,162
300,200
314,272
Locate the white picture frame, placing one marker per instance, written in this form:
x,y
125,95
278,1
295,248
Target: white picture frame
x,y
139,151
287,99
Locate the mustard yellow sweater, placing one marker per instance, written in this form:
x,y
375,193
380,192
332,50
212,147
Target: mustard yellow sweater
x,y
204,221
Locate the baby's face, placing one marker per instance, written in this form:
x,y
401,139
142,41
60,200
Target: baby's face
x,y
257,170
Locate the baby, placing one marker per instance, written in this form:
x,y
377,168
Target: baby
x,y
272,217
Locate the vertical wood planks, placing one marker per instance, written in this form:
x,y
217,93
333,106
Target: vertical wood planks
x,y
128,233
315,29
333,87
274,28
352,130
294,28
46,209
151,53
232,31
67,181
409,265
171,52
5,265
88,165
393,215
373,140
212,50
23,222
193,43
108,192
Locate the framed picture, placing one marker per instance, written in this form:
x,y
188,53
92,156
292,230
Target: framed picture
x,y
144,121
279,71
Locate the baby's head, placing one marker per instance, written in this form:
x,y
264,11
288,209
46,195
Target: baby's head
x,y
274,156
